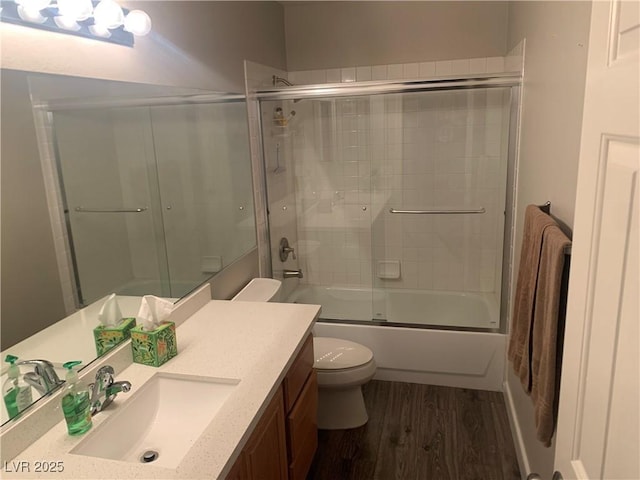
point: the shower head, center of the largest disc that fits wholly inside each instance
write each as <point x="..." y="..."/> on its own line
<point x="276" y="80"/>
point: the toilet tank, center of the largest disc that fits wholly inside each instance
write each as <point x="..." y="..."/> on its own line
<point x="260" y="290"/>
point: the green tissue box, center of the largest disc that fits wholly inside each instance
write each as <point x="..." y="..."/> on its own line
<point x="155" y="347"/>
<point x="108" y="337"/>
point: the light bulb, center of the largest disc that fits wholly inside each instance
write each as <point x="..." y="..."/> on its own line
<point x="137" y="22"/>
<point x="67" y="23"/>
<point x="29" y="15"/>
<point x="35" y="5"/>
<point x="76" y="9"/>
<point x="108" y="14"/>
<point x="99" y="31"/>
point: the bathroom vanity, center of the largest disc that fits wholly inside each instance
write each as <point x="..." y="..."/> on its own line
<point x="283" y="443"/>
<point x="263" y="353"/>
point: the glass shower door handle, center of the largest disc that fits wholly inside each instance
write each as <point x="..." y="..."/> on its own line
<point x="111" y="210"/>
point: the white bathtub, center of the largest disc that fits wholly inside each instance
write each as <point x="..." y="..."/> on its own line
<point x="432" y="308"/>
<point x="466" y="359"/>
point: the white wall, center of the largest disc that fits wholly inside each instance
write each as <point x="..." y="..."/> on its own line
<point x="28" y="257"/>
<point x="555" y="64"/>
<point x="339" y="34"/>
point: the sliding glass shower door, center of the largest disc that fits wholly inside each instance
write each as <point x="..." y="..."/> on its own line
<point x="109" y="184"/>
<point x="157" y="199"/>
<point x="441" y="166"/>
<point x="399" y="204"/>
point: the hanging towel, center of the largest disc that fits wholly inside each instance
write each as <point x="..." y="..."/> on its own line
<point x="535" y="222"/>
<point x="544" y="362"/>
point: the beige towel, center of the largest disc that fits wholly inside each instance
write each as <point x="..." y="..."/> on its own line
<point x="544" y="364"/>
<point x="535" y="222"/>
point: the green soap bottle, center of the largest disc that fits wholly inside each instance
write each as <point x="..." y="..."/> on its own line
<point x="76" y="402"/>
<point x="15" y="391"/>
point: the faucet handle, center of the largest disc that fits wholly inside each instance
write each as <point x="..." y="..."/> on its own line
<point x="104" y="376"/>
<point x="105" y="388"/>
<point x="44" y="377"/>
<point x="285" y="249"/>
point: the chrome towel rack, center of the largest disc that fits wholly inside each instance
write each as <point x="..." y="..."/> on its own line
<point x="438" y="212"/>
<point x="110" y="210"/>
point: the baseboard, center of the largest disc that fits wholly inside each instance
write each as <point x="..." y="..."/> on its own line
<point x="516" y="432"/>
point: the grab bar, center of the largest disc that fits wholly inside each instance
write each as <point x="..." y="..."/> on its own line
<point x="437" y="212"/>
<point x="107" y="210"/>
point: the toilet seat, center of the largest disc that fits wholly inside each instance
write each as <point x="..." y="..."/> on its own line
<point x="342" y="364"/>
<point x="339" y="354"/>
<point x="347" y="377"/>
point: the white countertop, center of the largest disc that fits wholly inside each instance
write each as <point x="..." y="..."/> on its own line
<point x="68" y="339"/>
<point x="250" y="341"/>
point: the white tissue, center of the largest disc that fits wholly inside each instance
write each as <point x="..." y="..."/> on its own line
<point x="110" y="314"/>
<point x="153" y="311"/>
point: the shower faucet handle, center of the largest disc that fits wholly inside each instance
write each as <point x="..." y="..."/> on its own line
<point x="285" y="250"/>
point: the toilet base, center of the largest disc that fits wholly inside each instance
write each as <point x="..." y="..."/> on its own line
<point x="339" y="409"/>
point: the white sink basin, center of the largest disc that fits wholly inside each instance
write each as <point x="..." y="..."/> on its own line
<point x="166" y="415"/>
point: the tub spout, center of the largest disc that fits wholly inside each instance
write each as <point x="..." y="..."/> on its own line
<point x="292" y="274"/>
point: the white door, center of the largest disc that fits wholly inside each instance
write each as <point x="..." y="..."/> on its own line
<point x="598" y="434"/>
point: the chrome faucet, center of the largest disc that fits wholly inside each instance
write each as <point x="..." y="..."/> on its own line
<point x="292" y="273"/>
<point x="43" y="378"/>
<point x="105" y="389"/>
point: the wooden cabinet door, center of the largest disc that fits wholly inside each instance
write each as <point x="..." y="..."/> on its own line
<point x="298" y="374"/>
<point x="302" y="429"/>
<point x="266" y="451"/>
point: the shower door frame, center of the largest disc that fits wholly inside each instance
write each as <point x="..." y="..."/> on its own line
<point x="352" y="89"/>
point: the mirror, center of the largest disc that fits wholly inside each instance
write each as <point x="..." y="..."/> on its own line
<point x="112" y="187"/>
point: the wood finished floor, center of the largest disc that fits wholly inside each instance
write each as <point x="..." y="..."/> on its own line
<point x="421" y="432"/>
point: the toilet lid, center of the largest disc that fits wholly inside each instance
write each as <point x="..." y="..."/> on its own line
<point x="336" y="353"/>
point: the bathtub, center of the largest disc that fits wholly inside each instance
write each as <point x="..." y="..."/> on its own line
<point x="410" y="307"/>
<point x="436" y="354"/>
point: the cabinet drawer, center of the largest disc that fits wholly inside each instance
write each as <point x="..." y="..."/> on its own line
<point x="298" y="373"/>
<point x="302" y="430"/>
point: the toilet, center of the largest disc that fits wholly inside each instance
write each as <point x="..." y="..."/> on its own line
<point x="342" y="367"/>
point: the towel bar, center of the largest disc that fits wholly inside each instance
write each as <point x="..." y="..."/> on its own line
<point x="437" y="212"/>
<point x="546" y="208"/>
<point x="107" y="210"/>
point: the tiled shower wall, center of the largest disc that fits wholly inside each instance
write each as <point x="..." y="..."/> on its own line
<point x="356" y="158"/>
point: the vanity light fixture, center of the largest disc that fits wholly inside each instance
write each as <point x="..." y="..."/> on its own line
<point x="103" y="20"/>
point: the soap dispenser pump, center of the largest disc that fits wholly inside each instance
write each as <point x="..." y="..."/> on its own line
<point x="15" y="391"/>
<point x="76" y="402"/>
